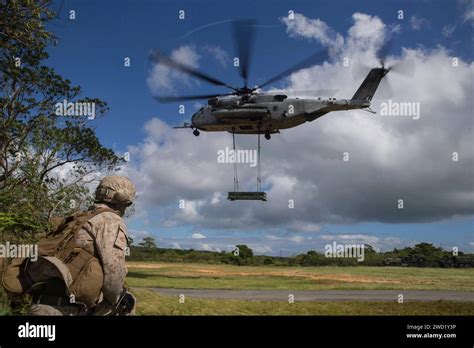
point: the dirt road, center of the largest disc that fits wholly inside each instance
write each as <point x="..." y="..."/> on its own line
<point x="317" y="295"/>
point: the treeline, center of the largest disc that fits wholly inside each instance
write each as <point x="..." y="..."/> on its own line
<point x="420" y="255"/>
<point x="38" y="145"/>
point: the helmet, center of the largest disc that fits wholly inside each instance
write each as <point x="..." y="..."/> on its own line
<point x="115" y="190"/>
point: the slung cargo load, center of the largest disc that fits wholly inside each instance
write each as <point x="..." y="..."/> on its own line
<point x="247" y="196"/>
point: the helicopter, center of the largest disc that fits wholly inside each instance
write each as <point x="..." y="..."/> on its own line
<point x="246" y="110"/>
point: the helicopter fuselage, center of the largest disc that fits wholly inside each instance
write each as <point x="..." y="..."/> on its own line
<point x="266" y="114"/>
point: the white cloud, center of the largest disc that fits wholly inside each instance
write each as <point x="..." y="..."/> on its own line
<point x="260" y="249"/>
<point x="216" y="198"/>
<point x="298" y="226"/>
<point x="206" y="247"/>
<point x="198" y="236"/>
<point x="291" y="238"/>
<point x="190" y="212"/>
<point x="391" y="242"/>
<point x="219" y="54"/>
<point x="209" y="247"/>
<point x="296" y="239"/>
<point x="312" y="29"/>
<point x="175" y="245"/>
<point x="164" y="79"/>
<point x="367" y="32"/>
<point x="272" y="237"/>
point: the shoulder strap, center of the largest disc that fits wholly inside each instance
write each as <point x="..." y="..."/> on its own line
<point x="81" y="219"/>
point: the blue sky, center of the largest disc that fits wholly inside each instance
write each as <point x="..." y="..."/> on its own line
<point x="91" y="53"/>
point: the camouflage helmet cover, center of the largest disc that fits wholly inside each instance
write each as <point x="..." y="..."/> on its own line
<point x="115" y="190"/>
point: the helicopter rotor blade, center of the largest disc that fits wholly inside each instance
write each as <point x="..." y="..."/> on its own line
<point x="315" y="59"/>
<point x="386" y="90"/>
<point x="308" y="92"/>
<point x="160" y="58"/>
<point x="244" y="36"/>
<point x="405" y="68"/>
<point x="170" y="99"/>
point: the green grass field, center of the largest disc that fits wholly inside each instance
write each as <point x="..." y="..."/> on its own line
<point x="151" y="303"/>
<point x="202" y="276"/>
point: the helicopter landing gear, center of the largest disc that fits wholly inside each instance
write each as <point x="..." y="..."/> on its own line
<point x="196" y="132"/>
<point x="267" y="135"/>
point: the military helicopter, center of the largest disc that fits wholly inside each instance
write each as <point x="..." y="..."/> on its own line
<point x="248" y="111"/>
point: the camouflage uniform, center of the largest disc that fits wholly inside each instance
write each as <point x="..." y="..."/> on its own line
<point x="104" y="235"/>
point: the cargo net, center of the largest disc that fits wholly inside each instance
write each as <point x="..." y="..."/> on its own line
<point x="257" y="195"/>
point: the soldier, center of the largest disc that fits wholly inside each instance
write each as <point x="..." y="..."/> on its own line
<point x="85" y="274"/>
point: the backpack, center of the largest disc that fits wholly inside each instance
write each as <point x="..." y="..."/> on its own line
<point x="80" y="271"/>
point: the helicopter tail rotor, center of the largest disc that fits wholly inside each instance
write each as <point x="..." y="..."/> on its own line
<point x="405" y="68"/>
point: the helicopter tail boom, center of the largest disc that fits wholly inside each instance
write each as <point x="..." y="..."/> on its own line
<point x="367" y="89"/>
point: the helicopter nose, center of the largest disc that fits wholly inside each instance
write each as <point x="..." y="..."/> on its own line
<point x="194" y="120"/>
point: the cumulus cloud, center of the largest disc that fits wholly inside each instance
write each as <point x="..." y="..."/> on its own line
<point x="390" y="158"/>
<point x="198" y="236"/>
<point x="261" y="249"/>
<point x="366" y="34"/>
<point x="163" y="79"/>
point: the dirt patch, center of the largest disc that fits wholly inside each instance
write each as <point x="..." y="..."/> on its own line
<point x="348" y="278"/>
<point x="219" y="271"/>
<point x="147" y="265"/>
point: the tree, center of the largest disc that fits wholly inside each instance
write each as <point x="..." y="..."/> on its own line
<point x="426" y="253"/>
<point x="36" y="141"/>
<point x="369" y="249"/>
<point x="148" y="243"/>
<point x="244" y="251"/>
